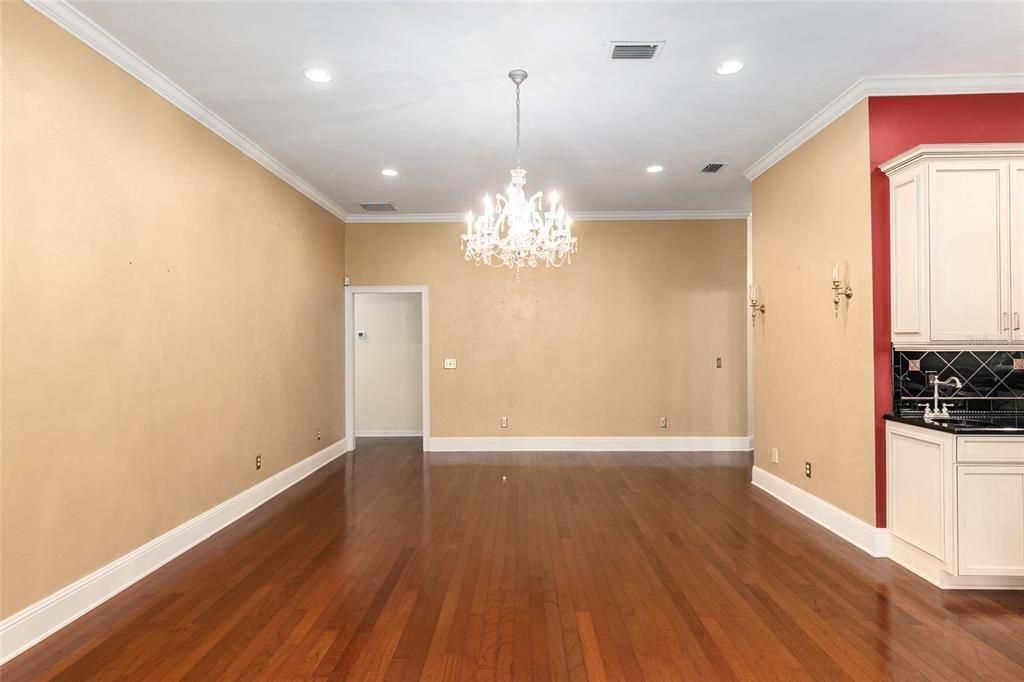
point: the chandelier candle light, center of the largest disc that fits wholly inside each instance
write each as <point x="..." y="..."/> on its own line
<point x="514" y="231"/>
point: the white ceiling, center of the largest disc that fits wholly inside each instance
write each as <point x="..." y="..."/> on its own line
<point x="422" y="87"/>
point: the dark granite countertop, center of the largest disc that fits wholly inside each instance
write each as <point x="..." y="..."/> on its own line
<point x="1010" y="424"/>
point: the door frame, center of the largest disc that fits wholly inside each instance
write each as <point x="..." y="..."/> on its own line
<point x="350" y="357"/>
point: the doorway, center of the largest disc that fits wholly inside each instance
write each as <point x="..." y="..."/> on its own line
<point x="387" y="386"/>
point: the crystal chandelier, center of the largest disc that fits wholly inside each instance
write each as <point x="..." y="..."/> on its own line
<point x="514" y="231"/>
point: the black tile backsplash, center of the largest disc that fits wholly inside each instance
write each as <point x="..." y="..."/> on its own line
<point x="991" y="384"/>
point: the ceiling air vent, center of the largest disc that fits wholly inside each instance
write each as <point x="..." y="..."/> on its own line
<point x="712" y="168"/>
<point x="635" y="51"/>
<point x="378" y="208"/>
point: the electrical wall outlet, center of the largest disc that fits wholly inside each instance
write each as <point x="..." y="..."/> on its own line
<point x="259" y="462"/>
<point x="807" y="469"/>
<point x="504" y="422"/>
<point x="718" y="363"/>
<point x="663" y="422"/>
<point x="775" y="455"/>
<point x="318" y="434"/>
<point x="450" y="363"/>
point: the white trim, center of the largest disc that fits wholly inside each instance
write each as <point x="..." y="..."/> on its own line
<point x="750" y="327"/>
<point x="661" y="215"/>
<point x="589" y="444"/>
<point x="350" y="361"/>
<point x="393" y="433"/>
<point x="40" y="620"/>
<point x="874" y="541"/>
<point x="83" y="28"/>
<point x="593" y="216"/>
<point x="946" y="151"/>
<point x="884" y="86"/>
<point x="77" y="24"/>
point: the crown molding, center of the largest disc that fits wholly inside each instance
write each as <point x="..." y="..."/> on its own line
<point x="86" y="30"/>
<point x="885" y="86"/>
<point x="661" y="215"/>
<point x="602" y="216"/>
<point x="952" y="151"/>
<point x="83" y="28"/>
<point x="389" y="218"/>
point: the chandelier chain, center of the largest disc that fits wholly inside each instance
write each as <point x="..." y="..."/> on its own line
<point x="519" y="162"/>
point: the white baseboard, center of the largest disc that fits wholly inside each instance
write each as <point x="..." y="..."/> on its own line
<point x="874" y="541"/>
<point x="31" y="625"/>
<point x="393" y="433"/>
<point x="590" y="444"/>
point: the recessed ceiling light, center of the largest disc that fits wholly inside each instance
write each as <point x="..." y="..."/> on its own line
<point x="655" y="169"/>
<point x="390" y="172"/>
<point x="729" y="68"/>
<point x="317" y="75"/>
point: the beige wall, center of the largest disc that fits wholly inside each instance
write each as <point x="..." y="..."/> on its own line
<point x="627" y="333"/>
<point x="170" y="309"/>
<point x="388" y="363"/>
<point x="813" y="373"/>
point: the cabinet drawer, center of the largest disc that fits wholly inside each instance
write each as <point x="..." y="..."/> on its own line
<point x="990" y="449"/>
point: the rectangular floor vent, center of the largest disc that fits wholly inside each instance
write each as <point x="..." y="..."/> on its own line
<point x="378" y="208"/>
<point x="712" y="168"/>
<point x="635" y="51"/>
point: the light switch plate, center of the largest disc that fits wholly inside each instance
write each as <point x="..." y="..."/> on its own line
<point x="450" y="363"/>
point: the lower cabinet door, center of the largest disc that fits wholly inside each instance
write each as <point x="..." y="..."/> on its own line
<point x="990" y="520"/>
<point x="920" y="490"/>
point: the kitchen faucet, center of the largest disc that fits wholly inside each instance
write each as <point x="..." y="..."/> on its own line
<point x="933" y="413"/>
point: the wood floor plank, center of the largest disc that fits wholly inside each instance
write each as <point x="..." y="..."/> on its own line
<point x="394" y="564"/>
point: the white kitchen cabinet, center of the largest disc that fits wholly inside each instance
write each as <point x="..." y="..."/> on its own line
<point x="990" y="519"/>
<point x="957" y="244"/>
<point x="954" y="518"/>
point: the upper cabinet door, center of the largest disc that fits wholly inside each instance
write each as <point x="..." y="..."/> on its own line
<point x="969" y="250"/>
<point x="1017" y="249"/>
<point x="908" y="211"/>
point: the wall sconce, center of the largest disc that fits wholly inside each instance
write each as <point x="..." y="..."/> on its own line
<point x="755" y="303"/>
<point x="840" y="287"/>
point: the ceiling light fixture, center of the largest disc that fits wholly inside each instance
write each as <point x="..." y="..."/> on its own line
<point x="514" y="231"/>
<point x="389" y="172"/>
<point x="317" y="75"/>
<point x="655" y="169"/>
<point x="729" y="67"/>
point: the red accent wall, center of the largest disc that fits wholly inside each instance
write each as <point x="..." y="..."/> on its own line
<point x="895" y="124"/>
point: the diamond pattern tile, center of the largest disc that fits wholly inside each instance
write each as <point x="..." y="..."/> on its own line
<point x="989" y="378"/>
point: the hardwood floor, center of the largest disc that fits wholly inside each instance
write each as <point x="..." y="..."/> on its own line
<point x="388" y="564"/>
